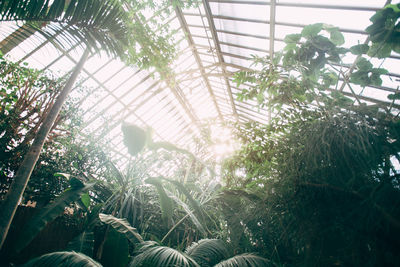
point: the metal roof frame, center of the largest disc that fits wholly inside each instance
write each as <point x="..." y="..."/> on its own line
<point x="211" y="54"/>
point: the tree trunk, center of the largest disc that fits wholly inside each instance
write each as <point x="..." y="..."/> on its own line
<point x="21" y="178"/>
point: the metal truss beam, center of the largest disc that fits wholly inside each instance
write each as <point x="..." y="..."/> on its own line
<point x="218" y="51"/>
<point x="185" y="28"/>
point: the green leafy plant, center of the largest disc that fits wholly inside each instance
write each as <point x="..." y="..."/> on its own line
<point x="135" y="138"/>
<point x="150" y="254"/>
<point x="319" y="182"/>
<point x="366" y="74"/>
<point x="122" y="226"/>
<point x="116" y="240"/>
<point x="50" y="212"/>
<point x="384" y="31"/>
<point x="100" y="25"/>
<point x="247" y="259"/>
<point x="63" y="258"/>
<point x="26" y="96"/>
<point x="307" y="70"/>
<point x="166" y="202"/>
<point x="83" y="243"/>
<point x="206" y="252"/>
<point x="119" y="26"/>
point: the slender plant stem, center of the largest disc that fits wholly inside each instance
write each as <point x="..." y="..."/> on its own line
<point x="174" y="227"/>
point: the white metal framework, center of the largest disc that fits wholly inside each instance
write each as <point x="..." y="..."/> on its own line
<point x="215" y="40"/>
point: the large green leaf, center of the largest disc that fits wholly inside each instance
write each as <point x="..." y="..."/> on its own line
<point x="122" y="226"/>
<point x="359" y="49"/>
<point x="115" y="250"/>
<point x="292" y="38"/>
<point x="166" y="203"/>
<point x="208" y="252"/>
<point x="81" y="23"/>
<point x="63" y="258"/>
<point x="364" y="64"/>
<point x="83" y="243"/>
<point x="153" y="255"/>
<point x="311" y="30"/>
<point x="134" y="138"/>
<point x="384" y="31"/>
<point x="336" y="36"/>
<point x="46" y="215"/>
<point x="85" y="198"/>
<point x="245" y="260"/>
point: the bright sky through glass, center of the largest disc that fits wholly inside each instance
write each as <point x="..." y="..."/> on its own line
<point x="204" y="91"/>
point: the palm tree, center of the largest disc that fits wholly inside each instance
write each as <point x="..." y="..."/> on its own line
<point x="206" y="252"/>
<point x="99" y="25"/>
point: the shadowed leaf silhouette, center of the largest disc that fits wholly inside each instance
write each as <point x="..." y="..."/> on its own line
<point x="63" y="258"/>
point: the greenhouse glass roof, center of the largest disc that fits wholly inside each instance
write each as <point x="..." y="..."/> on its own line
<point x="215" y="40"/>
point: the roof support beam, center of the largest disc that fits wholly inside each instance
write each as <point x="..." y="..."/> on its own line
<point x="305" y="5"/>
<point x="271" y="42"/>
<point x="185" y="28"/>
<point x="280" y="23"/>
<point x="168" y="77"/>
<point x="191" y="71"/>
<point x="219" y="54"/>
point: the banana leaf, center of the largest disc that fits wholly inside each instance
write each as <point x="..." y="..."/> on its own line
<point x="166" y="203"/>
<point x="116" y="250"/>
<point x="122" y="226"/>
<point x="46" y="215"/>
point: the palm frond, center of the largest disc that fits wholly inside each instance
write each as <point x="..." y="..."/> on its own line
<point x="208" y="252"/>
<point x="62" y="258"/>
<point x="159" y="256"/>
<point x="188" y="211"/>
<point x="97" y="24"/>
<point x="183" y="189"/>
<point x="122" y="226"/>
<point x="245" y="260"/>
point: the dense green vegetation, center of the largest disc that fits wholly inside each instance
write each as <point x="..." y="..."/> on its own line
<point x="318" y="186"/>
<point x="321" y="181"/>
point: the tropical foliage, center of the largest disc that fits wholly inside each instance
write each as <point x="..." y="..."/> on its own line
<point x="319" y="183"/>
<point x="28" y="96"/>
<point x="206" y="252"/>
<point x="96" y="24"/>
<point x="63" y="259"/>
<point x="318" y="186"/>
